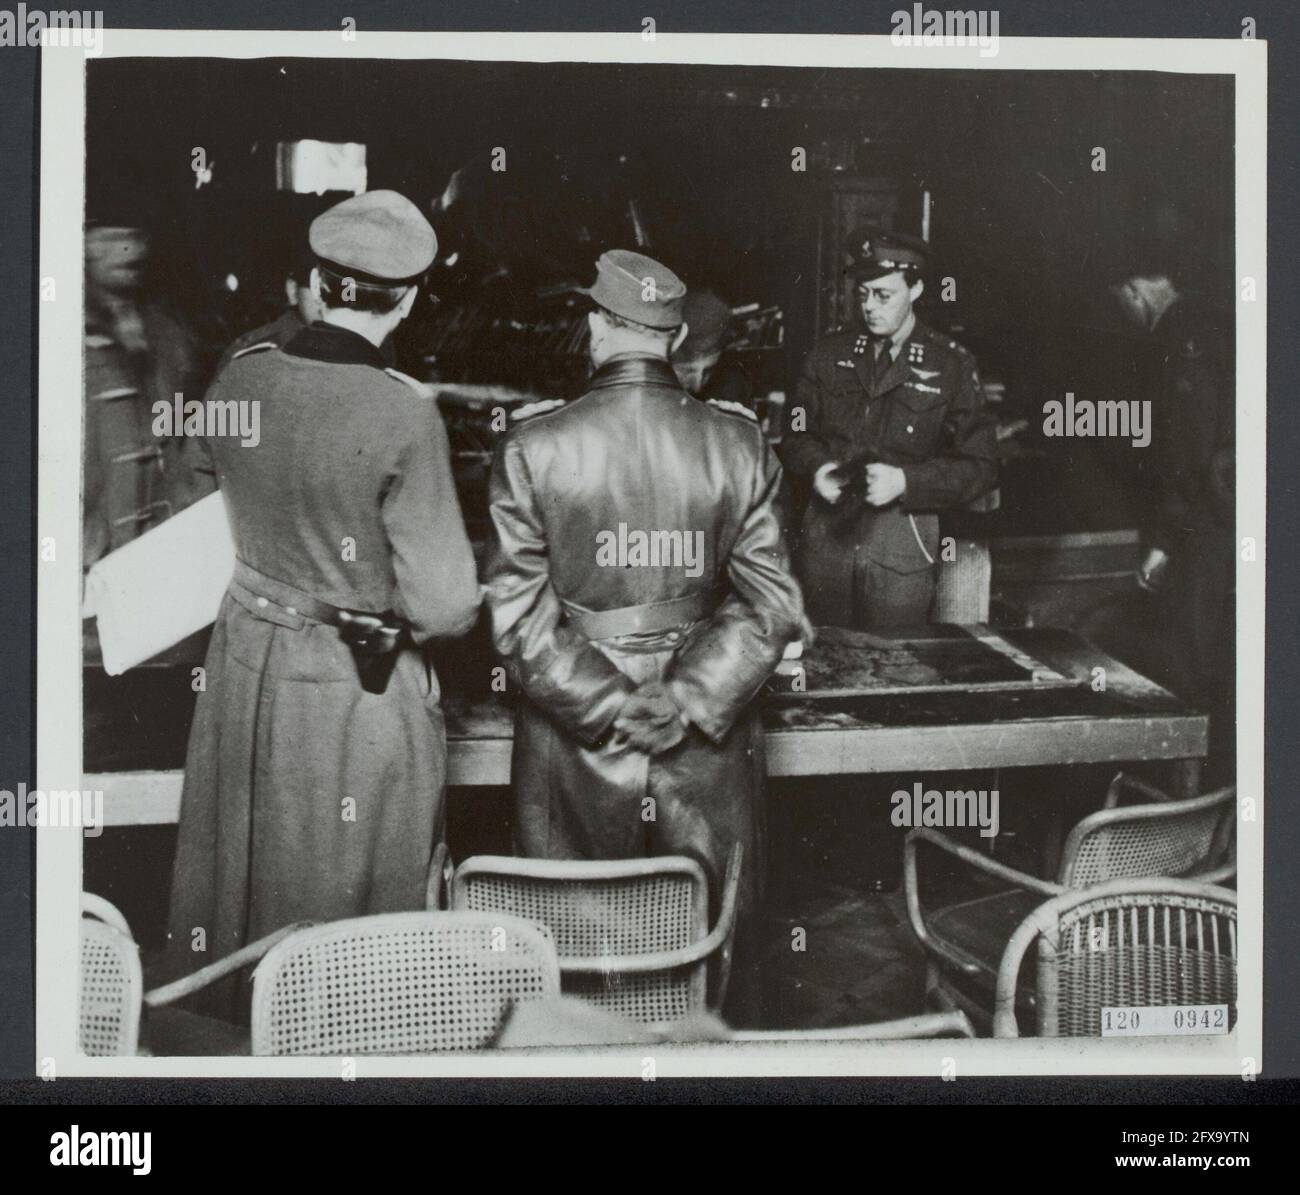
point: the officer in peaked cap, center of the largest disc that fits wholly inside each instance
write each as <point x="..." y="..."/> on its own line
<point x="887" y="429"/>
<point x="637" y="670"/>
<point x="315" y="774"/>
<point x="380" y="239"/>
<point x="873" y="254"/>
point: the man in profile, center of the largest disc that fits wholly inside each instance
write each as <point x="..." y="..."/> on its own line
<point x="640" y="592"/>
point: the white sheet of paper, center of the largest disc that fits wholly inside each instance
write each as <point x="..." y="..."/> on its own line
<point x="158" y="589"/>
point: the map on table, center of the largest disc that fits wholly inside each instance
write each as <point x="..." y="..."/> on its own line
<point x="846" y="663"/>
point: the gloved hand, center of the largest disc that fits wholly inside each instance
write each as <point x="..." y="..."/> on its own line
<point x="649" y="720"/>
<point x="828" y="485"/>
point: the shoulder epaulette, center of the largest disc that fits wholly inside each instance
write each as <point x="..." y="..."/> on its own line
<point x="260" y="346"/>
<point x="420" y="388"/>
<point x="532" y="409"/>
<point x="732" y="408"/>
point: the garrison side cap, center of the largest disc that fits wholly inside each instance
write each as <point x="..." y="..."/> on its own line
<point x="638" y="288"/>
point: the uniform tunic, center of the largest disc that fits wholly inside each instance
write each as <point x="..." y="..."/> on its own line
<point x="306" y="797"/>
<point x="638" y="451"/>
<point x="278" y="332"/>
<point x="872" y="567"/>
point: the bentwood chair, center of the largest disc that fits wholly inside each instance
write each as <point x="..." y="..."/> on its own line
<point x="398" y="983"/>
<point x="390" y="983"/>
<point x="1162" y="837"/>
<point x="111" y="992"/>
<point x="1122" y="945"/>
<point x="632" y="935"/>
<point x="112" y="984"/>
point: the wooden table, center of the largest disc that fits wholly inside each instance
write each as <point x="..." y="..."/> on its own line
<point x="136" y="727"/>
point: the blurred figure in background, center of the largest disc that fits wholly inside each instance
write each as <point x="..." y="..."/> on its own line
<point x="137" y="353"/>
<point x="1190" y="557"/>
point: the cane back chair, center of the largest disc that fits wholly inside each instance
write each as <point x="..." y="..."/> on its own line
<point x="632" y="935"/>
<point x="111" y="995"/>
<point x="1124" y="944"/>
<point x="964" y="942"/>
<point x="398" y="983"/>
<point x="112" y="983"/>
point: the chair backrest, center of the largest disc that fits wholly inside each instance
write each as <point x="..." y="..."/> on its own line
<point x="111" y="982"/>
<point x="1125" y="944"/>
<point x="1171" y="838"/>
<point x="603" y="909"/>
<point x="398" y="983"/>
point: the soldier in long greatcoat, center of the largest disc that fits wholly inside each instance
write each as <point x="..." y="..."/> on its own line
<point x="307" y="795"/>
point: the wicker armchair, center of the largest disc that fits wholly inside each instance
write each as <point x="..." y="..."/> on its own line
<point x="1124" y="944"/>
<point x="632" y="935"/>
<point x="964" y="941"/>
<point x="398" y="983"/>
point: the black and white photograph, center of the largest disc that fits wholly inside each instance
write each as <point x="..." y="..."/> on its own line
<point x="578" y="554"/>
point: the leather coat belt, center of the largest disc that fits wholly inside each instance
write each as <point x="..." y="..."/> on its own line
<point x="289" y="598"/>
<point x="634" y="620"/>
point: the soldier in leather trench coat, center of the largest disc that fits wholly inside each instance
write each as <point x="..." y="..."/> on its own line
<point x="903" y="403"/>
<point x="585" y="620"/>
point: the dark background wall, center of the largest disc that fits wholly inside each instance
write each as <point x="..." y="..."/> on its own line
<point x="1028" y="230"/>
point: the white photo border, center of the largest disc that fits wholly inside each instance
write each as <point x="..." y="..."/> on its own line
<point x="59" y="697"/>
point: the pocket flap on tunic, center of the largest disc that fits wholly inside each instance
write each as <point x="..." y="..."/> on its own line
<point x="916" y="399"/>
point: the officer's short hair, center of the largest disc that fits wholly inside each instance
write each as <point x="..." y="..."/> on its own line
<point x="614" y="320"/>
<point x="343" y="292"/>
